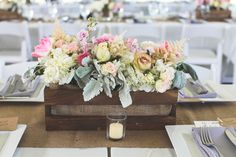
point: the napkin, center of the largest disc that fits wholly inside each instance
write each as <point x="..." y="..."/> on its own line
<point x="15" y="87"/>
<point x="226" y="148"/>
<point x="195" y="89"/>
<point x="3" y="139"/>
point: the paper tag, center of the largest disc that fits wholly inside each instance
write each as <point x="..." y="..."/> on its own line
<point x="8" y="124"/>
<point x="206" y="124"/>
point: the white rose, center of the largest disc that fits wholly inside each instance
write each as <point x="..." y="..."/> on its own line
<point x="162" y="86"/>
<point x="169" y="74"/>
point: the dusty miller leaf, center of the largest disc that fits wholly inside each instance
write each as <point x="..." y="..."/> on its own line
<point x="179" y="80"/>
<point x="92" y="89"/>
<point x="125" y="97"/>
<point x="83" y="71"/>
<point x="106" y="86"/>
<point x="124" y="93"/>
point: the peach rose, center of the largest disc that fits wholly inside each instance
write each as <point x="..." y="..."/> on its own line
<point x="142" y="61"/>
<point x="109" y="68"/>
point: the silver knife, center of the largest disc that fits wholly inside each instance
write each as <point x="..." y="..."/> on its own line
<point x="230" y="136"/>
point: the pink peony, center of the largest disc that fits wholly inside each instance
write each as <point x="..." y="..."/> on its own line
<point x="103" y="38"/>
<point x="81" y="56"/>
<point x="43" y="48"/>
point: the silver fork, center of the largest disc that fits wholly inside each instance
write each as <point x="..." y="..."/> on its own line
<point x="207" y="140"/>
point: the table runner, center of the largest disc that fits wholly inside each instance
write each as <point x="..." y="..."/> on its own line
<point x="32" y="114"/>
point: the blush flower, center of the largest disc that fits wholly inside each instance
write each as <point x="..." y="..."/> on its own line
<point x="43" y="48"/>
<point x="109" y="68"/>
<point x="72" y="47"/>
<point x="132" y="44"/>
<point x="102" y="39"/>
<point x="83" y="35"/>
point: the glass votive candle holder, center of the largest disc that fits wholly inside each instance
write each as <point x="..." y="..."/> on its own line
<point x="116" y="126"/>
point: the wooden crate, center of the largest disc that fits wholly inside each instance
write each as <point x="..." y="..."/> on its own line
<point x="65" y="109"/>
<point x="213" y="15"/>
<point x="8" y="15"/>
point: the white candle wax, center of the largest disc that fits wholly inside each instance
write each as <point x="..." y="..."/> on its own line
<point x="116" y="130"/>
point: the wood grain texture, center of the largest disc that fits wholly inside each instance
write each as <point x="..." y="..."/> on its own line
<point x="64" y="96"/>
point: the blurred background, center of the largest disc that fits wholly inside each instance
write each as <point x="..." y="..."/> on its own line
<point x="208" y="25"/>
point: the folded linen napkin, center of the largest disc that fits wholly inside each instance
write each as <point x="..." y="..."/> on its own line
<point x="15" y="87"/>
<point x="227" y="149"/>
<point x="3" y="139"/>
<point x="195" y="89"/>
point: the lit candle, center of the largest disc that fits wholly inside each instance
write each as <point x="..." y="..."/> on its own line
<point x="116" y="130"/>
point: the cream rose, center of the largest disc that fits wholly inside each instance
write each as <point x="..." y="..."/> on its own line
<point x="109" y="68"/>
<point x="163" y="85"/>
<point x="102" y="52"/>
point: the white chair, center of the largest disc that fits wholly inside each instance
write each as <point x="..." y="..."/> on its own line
<point x="204" y="74"/>
<point x="16" y="30"/>
<point x="232" y="50"/>
<point x="143" y="32"/>
<point x="46" y="29"/>
<point x="207" y="48"/>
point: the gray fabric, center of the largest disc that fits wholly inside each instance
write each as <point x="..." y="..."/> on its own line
<point x="15" y="87"/>
<point x="197" y="90"/>
<point x="227" y="149"/>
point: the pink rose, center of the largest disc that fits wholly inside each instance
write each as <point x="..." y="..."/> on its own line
<point x="103" y="38"/>
<point x="81" y="56"/>
<point x="43" y="48"/>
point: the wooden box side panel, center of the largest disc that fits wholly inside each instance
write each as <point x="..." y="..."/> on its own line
<point x="65" y="96"/>
<point x="99" y="123"/>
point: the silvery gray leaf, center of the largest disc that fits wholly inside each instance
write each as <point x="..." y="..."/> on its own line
<point x="92" y="89"/>
<point x="179" y="80"/>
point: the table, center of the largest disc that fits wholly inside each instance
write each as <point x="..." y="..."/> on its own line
<point x="32" y="114"/>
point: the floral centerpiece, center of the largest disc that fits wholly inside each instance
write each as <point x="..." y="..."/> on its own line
<point x="110" y="63"/>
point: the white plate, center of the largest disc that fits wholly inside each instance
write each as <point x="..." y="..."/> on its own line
<point x="142" y="152"/>
<point x="12" y="141"/>
<point x="182" y="140"/>
<point x="38" y="96"/>
<point x="61" y="152"/>
<point x="225" y="93"/>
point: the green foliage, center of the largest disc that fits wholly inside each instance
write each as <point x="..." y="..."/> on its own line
<point x="92" y="89"/>
<point x="186" y="68"/>
<point x="82" y="75"/>
<point x="179" y="80"/>
<point x="124" y="93"/>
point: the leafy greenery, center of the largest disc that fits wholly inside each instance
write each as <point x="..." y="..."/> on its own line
<point x="92" y="89"/>
<point x="186" y="68"/>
